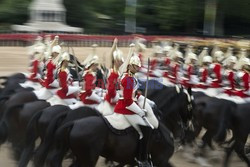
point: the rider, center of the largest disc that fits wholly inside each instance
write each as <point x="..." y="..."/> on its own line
<point x="216" y="69"/>
<point x="89" y="95"/>
<point x="37" y="65"/>
<point x="203" y="73"/>
<point x="51" y="68"/>
<point x="155" y="61"/>
<point x="229" y="75"/>
<point x="190" y="70"/>
<point x="242" y="79"/>
<point x="67" y="90"/>
<point x="117" y="59"/>
<point x="130" y="109"/>
<point x="175" y="66"/>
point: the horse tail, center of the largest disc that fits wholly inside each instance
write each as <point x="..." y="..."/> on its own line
<point x="224" y="123"/>
<point x="30" y="139"/>
<point x="55" y="158"/>
<point x="4" y="124"/>
<point x="46" y="144"/>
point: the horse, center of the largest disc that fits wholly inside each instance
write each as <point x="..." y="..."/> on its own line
<point x="77" y="114"/>
<point x="13" y="124"/>
<point x="183" y="97"/>
<point x="238" y="122"/>
<point x="98" y="139"/>
<point x="209" y="114"/>
<point x="37" y="127"/>
<point x="42" y="125"/>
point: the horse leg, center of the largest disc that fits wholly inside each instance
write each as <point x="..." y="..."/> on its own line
<point x="240" y="146"/>
<point x="88" y="160"/>
<point x="207" y="139"/>
<point x="228" y="154"/>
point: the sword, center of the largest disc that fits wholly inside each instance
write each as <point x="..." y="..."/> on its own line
<point x="146" y="87"/>
<point x="145" y="98"/>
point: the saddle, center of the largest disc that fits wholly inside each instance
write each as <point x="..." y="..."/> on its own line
<point x="115" y="124"/>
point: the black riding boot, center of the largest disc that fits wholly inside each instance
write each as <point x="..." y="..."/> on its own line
<point x="143" y="160"/>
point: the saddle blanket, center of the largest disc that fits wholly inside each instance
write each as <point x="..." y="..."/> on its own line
<point x="118" y="121"/>
<point x="30" y="84"/>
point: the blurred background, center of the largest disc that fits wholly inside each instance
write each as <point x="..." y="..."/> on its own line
<point x="151" y="17"/>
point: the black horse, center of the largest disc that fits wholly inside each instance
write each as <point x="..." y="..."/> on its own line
<point x="238" y="122"/>
<point x="98" y="139"/>
<point x="80" y="113"/>
<point x="43" y="125"/>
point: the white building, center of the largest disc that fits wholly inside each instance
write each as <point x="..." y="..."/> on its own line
<point x="47" y="15"/>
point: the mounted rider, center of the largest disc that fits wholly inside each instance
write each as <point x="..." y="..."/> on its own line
<point x="51" y="65"/>
<point x="203" y="73"/>
<point x="242" y="79"/>
<point x="190" y="70"/>
<point x="228" y="81"/>
<point x="68" y="89"/>
<point x="89" y="95"/>
<point x="156" y="62"/>
<point x="167" y="48"/>
<point x="128" y="105"/>
<point x="216" y="68"/>
<point x="175" y="66"/>
<point x="37" y="65"/>
<point x="117" y="59"/>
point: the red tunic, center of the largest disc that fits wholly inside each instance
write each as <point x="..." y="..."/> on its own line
<point x="64" y="81"/>
<point x="229" y="82"/>
<point x="89" y="85"/>
<point x="167" y="62"/>
<point x="153" y="65"/>
<point x="175" y="69"/>
<point x="243" y="78"/>
<point x="216" y="75"/>
<point x="51" y="67"/>
<point x="128" y="84"/>
<point x="189" y="70"/>
<point x="34" y="71"/>
<point x="203" y="75"/>
<point x="112" y="84"/>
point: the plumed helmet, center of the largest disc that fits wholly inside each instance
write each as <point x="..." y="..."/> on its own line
<point x="244" y="61"/>
<point x="207" y="59"/>
<point x="158" y="49"/>
<point x="140" y="47"/>
<point x="135" y="60"/>
<point x="64" y="57"/>
<point x="118" y="55"/>
<point x="167" y="48"/>
<point x="56" y="49"/>
<point x="191" y="56"/>
<point x="93" y="60"/>
<point x="178" y="54"/>
<point x="232" y="59"/>
<point x="218" y="55"/>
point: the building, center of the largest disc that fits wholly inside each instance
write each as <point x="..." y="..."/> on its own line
<point x="47" y="16"/>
